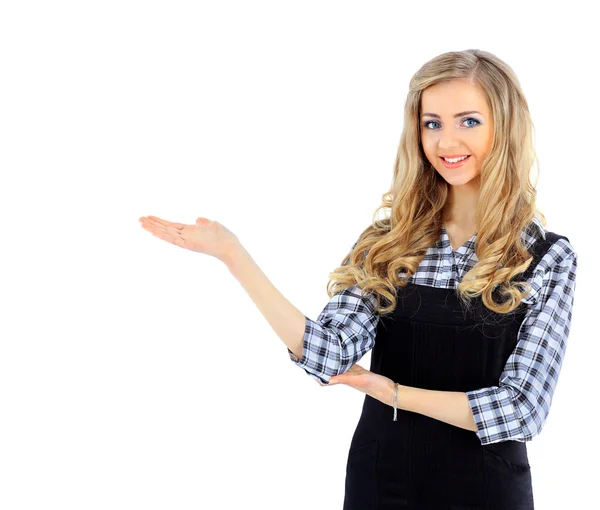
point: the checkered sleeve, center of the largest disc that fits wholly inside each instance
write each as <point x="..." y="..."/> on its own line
<point x="342" y="334"/>
<point x="517" y="409"/>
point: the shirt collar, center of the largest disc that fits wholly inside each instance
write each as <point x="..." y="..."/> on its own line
<point x="530" y="234"/>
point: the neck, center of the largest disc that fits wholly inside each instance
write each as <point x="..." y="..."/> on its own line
<point x="461" y="205"/>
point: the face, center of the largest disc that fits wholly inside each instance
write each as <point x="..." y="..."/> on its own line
<point x="445" y="133"/>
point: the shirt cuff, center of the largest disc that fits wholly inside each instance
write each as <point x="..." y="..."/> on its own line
<point x="303" y="363"/>
<point x="293" y="357"/>
<point x="496" y="417"/>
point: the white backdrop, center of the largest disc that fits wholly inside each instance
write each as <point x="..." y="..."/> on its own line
<point x="136" y="374"/>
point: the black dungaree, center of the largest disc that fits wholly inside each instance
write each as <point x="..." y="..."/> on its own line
<point x="431" y="341"/>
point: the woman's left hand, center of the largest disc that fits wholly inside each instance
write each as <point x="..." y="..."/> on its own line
<point x="374" y="385"/>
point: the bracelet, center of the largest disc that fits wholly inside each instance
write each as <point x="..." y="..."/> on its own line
<point x="395" y="400"/>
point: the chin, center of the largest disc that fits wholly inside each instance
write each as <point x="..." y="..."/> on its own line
<point x="459" y="180"/>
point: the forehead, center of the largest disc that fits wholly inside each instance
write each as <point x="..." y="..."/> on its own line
<point x="453" y="96"/>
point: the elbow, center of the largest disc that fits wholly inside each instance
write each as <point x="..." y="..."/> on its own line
<point x="336" y="353"/>
<point x="532" y="425"/>
<point x="533" y="416"/>
<point x="336" y="358"/>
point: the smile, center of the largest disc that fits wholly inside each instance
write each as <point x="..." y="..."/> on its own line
<point x="456" y="164"/>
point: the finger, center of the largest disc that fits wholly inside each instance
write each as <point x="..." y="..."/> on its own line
<point x="154" y="228"/>
<point x="155" y="220"/>
<point x="160" y="233"/>
<point x="166" y="236"/>
<point x="163" y="228"/>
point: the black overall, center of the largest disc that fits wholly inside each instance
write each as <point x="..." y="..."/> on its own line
<point x="433" y="341"/>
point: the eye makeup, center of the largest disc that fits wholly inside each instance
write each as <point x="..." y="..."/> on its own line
<point x="427" y="122"/>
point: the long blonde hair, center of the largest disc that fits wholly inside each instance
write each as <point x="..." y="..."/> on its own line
<point x="506" y="205"/>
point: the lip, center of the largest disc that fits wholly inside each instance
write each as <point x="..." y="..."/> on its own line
<point x="455" y="165"/>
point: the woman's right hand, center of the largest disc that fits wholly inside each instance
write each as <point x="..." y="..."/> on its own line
<point x="206" y="236"/>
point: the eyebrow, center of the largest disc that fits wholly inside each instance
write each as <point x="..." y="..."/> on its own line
<point x="460" y="114"/>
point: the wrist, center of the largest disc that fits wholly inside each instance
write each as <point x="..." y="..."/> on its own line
<point x="235" y="256"/>
<point x="388" y="392"/>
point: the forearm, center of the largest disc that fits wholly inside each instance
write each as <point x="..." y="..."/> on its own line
<point x="448" y="406"/>
<point x="286" y="320"/>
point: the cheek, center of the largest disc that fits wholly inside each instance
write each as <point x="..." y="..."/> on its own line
<point x="486" y="144"/>
<point x="429" y="150"/>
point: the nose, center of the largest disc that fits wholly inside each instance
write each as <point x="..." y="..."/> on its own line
<point x="449" y="139"/>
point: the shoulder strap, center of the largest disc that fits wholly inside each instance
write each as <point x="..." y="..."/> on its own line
<point x="538" y="250"/>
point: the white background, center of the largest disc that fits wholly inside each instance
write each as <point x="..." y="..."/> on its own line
<point x="138" y="375"/>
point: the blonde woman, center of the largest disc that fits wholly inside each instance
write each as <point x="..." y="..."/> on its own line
<point x="461" y="293"/>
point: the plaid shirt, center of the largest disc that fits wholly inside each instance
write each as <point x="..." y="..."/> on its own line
<point x="516" y="409"/>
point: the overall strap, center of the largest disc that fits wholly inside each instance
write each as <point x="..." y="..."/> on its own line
<point x="538" y="250"/>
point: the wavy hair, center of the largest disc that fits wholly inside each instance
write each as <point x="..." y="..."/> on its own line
<point x="418" y="194"/>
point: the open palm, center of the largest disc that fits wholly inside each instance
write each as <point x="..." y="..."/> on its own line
<point x="360" y="378"/>
<point x="206" y="236"/>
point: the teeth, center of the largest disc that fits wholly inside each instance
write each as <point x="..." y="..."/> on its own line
<point x="455" y="160"/>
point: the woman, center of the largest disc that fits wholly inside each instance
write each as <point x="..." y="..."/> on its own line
<point x="463" y="295"/>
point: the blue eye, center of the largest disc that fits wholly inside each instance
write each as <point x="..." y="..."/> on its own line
<point x="427" y="122"/>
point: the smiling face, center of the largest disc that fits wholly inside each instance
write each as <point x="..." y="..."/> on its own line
<point x="456" y="120"/>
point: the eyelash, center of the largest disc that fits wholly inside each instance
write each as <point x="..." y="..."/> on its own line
<point x="464" y="120"/>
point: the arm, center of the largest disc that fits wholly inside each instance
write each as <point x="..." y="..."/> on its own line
<point x="516" y="409"/>
<point x="334" y="348"/>
<point x="448" y="406"/>
<point x="285" y="319"/>
<point x="343" y="333"/>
